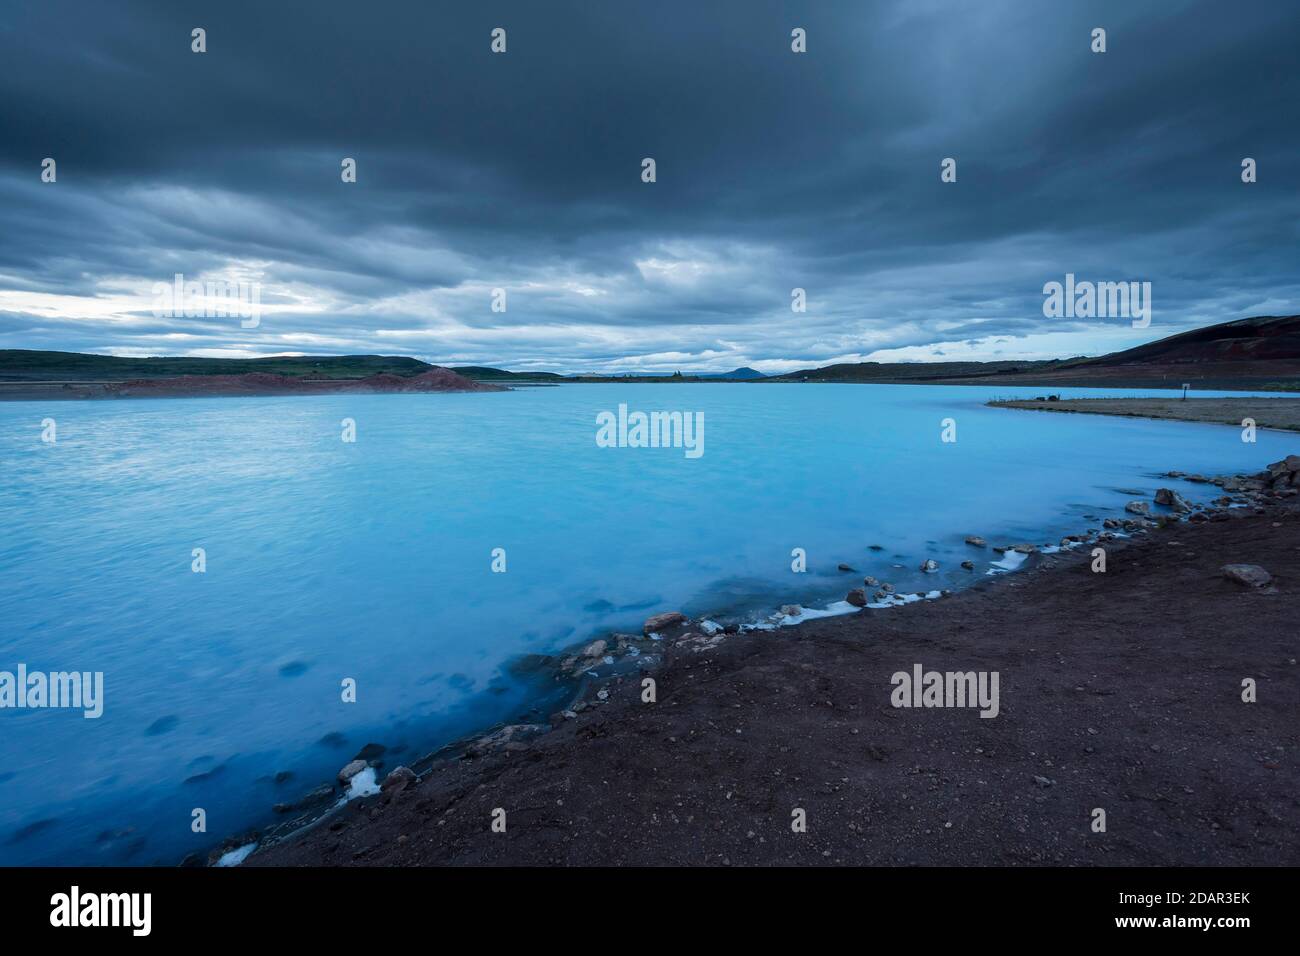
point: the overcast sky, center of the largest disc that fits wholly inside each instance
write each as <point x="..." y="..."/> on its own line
<point x="522" y="171"/>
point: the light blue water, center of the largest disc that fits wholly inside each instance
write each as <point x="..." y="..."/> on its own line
<point x="372" y="560"/>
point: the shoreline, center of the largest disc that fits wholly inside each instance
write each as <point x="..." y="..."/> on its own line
<point x="266" y="385"/>
<point x="469" y="764"/>
<point x="1281" y="414"/>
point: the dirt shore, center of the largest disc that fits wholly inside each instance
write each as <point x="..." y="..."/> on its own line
<point x="1119" y="690"/>
<point x="1266" y="412"/>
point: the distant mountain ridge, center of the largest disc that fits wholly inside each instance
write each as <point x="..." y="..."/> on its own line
<point x="1261" y="353"/>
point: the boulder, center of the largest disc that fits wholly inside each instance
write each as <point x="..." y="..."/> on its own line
<point x="857" y="597"/>
<point x="870" y="582"/>
<point x="975" y="541"/>
<point x="791" y="610"/>
<point x="929" y="565"/>
<point x="1172" y="499"/>
<point x="595" y="649"/>
<point x="1247" y="575"/>
<point x="1288" y="464"/>
<point x="1138" y="508"/>
<point x="350" y="771"/>
<point x="398" y="780"/>
<point x="659" y="622"/>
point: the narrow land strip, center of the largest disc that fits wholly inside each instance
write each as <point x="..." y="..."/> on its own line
<point x="1281" y="413"/>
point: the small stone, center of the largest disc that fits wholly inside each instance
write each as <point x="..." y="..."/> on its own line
<point x="1247" y="575"/>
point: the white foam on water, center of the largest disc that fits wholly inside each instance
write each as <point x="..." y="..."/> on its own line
<point x="237" y="856"/>
<point x="811" y="614"/>
<point x="1010" y="561"/>
<point x="364" y="784"/>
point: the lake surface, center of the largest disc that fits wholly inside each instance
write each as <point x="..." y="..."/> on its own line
<point x="372" y="560"/>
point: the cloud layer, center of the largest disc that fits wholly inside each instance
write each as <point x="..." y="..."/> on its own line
<point x="522" y="171"/>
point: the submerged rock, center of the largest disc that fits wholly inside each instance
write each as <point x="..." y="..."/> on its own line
<point x="1247" y="575"/>
<point x="370" y="752"/>
<point x="968" y="565"/>
<point x="975" y="541"/>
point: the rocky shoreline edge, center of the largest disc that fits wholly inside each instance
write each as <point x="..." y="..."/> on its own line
<point x="592" y="669"/>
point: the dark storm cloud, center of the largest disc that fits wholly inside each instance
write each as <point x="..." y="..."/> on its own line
<point x="521" y="171"/>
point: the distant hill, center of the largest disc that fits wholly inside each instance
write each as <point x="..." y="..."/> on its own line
<point x="21" y="365"/>
<point x="911" y="372"/>
<point x="483" y="373"/>
<point x="737" y="373"/>
<point x="1267" y="338"/>
<point x="1261" y="353"/>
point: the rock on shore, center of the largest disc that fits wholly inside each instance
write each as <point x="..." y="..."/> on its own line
<point x="661" y="622"/>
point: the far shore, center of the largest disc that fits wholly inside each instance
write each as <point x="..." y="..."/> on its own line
<point x="1281" y="413"/>
<point x="247" y="385"/>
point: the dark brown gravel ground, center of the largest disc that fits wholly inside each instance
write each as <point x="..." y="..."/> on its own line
<point x="1122" y="689"/>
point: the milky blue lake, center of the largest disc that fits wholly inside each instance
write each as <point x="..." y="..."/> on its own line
<point x="372" y="560"/>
